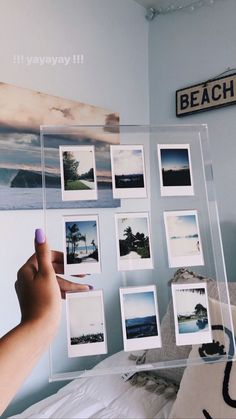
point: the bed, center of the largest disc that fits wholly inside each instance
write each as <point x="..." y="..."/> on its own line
<point x="207" y="390"/>
<point x="102" y="397"/>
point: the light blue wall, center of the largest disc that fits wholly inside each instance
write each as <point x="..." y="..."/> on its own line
<point x="113" y="37"/>
<point x="186" y="48"/>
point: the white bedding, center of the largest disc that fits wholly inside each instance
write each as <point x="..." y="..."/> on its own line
<point x="102" y="397"/>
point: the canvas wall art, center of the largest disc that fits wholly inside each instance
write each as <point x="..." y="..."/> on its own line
<point x="23" y="111"/>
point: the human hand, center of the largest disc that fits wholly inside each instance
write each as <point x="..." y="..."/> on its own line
<point x="65" y="285"/>
<point x="37" y="287"/>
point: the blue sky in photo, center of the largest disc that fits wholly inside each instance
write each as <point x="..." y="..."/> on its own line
<point x="141" y="304"/>
<point x="128" y="162"/>
<point x="187" y="300"/>
<point x="85" y="159"/>
<point x="175" y="159"/>
<point x="88" y="228"/>
<point x="137" y="225"/>
<point x="182" y="225"/>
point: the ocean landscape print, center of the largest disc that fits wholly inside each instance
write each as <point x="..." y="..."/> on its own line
<point x="191" y="313"/>
<point x="140" y="317"/>
<point x="81" y="244"/>
<point x="133" y="241"/>
<point x="128" y="172"/>
<point x="20" y="148"/>
<point x="86" y="326"/>
<point x="175" y="169"/>
<point x="183" y="238"/>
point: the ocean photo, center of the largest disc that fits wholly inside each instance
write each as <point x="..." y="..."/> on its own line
<point x="192" y="313"/>
<point x="86" y="320"/>
<point x="175" y="167"/>
<point x="128" y="168"/>
<point x="183" y="235"/>
<point x="81" y="242"/>
<point x="140" y="315"/>
<point x="32" y="198"/>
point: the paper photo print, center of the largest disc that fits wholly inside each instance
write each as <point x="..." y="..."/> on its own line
<point x="128" y="171"/>
<point x="191" y="314"/>
<point x="86" y="332"/>
<point x="78" y="173"/>
<point x="175" y="169"/>
<point x="81" y="244"/>
<point x="183" y="238"/>
<point x="133" y="243"/>
<point x="140" y="319"/>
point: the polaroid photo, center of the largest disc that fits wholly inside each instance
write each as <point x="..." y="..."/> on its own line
<point x="140" y="318"/>
<point x="86" y="331"/>
<point x="81" y="244"/>
<point x="175" y="168"/>
<point x="133" y="241"/>
<point x="78" y="173"/>
<point x="183" y="238"/>
<point x="191" y="314"/>
<point x="128" y="171"/>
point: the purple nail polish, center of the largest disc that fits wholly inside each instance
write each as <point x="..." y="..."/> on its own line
<point x="39" y="236"/>
<point x="90" y="287"/>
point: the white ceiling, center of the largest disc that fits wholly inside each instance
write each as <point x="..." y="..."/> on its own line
<point x="164" y="3"/>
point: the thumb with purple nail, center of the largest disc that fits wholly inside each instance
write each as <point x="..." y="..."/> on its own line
<point x="39" y="290"/>
<point x="38" y="287"/>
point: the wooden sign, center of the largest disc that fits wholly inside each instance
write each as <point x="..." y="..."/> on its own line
<point x="205" y="96"/>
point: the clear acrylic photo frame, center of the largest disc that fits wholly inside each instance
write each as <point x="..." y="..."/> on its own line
<point x="111" y="279"/>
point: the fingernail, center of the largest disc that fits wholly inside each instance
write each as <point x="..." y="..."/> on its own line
<point x="90" y="287"/>
<point x="39" y="236"/>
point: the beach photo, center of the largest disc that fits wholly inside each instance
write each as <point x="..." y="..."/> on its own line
<point x="128" y="171"/>
<point x="86" y="333"/>
<point x="183" y="238"/>
<point x="191" y="313"/>
<point x="20" y="147"/>
<point x="78" y="173"/>
<point x="175" y="169"/>
<point x="81" y="244"/>
<point x="140" y="319"/>
<point x="133" y="241"/>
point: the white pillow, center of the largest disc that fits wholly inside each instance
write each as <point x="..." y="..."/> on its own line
<point x="209" y="390"/>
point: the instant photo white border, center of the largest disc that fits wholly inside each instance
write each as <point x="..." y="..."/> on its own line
<point x="191" y="338"/>
<point x="85" y="349"/>
<point x="86" y="267"/>
<point x="185" y="260"/>
<point x="77" y="195"/>
<point x="128" y="192"/>
<point x="136" y="263"/>
<point x="148" y="342"/>
<point x="175" y="190"/>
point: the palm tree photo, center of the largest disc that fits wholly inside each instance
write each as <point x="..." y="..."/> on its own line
<point x="133" y="238"/>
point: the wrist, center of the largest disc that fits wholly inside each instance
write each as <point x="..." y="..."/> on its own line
<point x="43" y="328"/>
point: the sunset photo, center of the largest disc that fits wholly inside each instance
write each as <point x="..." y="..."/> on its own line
<point x="128" y="171"/>
<point x="175" y="169"/>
